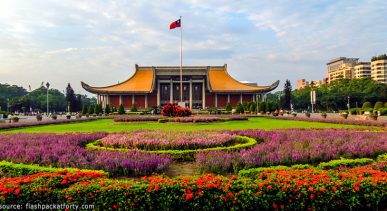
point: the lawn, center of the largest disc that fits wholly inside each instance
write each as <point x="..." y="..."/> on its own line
<point x="109" y="125"/>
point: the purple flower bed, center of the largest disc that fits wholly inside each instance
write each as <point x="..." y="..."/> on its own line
<point x="68" y="150"/>
<point x="38" y="123"/>
<point x="194" y="119"/>
<point x="295" y="146"/>
<point x="168" y="140"/>
<point x="336" y="121"/>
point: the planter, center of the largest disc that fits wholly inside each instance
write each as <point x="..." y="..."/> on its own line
<point x="345" y="115"/>
<point x="68" y="117"/>
<point x="54" y="117"/>
<point x="294" y="114"/>
<point x="374" y="117"/>
<point x="39" y="117"/>
<point x="324" y="115"/>
<point x="15" y="119"/>
<point x="307" y="114"/>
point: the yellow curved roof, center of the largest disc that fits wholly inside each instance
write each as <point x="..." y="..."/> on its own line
<point x="221" y="81"/>
<point x="141" y="81"/>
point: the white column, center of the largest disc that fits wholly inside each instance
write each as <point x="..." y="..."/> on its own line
<point x="132" y="99"/>
<point x="120" y="100"/>
<point x="228" y="98"/>
<point x="216" y="100"/>
<point x="146" y="101"/>
<point x="190" y="93"/>
<point x="241" y="98"/>
<point x="203" y="96"/>
<point x="158" y="93"/>
<point x="171" y="92"/>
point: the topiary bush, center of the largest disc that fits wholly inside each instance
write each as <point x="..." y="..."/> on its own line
<point x="378" y="105"/>
<point x="239" y="108"/>
<point x="172" y="110"/>
<point x="121" y="109"/>
<point x="228" y="106"/>
<point x="133" y="108"/>
<point x="366" y="105"/>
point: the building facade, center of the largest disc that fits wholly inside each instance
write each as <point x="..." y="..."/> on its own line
<point x="302" y="83"/>
<point x="341" y="67"/>
<point x="202" y="86"/>
<point x="362" y="70"/>
<point x="379" y="70"/>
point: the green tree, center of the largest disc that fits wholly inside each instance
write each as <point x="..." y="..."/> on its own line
<point x="90" y="109"/>
<point x="134" y="107"/>
<point x="239" y="108"/>
<point x="366" y="105"/>
<point x="70" y="98"/>
<point x="121" y="109"/>
<point x="262" y="107"/>
<point x="84" y="111"/>
<point x="287" y="95"/>
<point x="107" y="109"/>
<point x="228" y="106"/>
<point x="253" y="106"/>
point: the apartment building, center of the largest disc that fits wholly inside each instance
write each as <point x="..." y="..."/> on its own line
<point x="379" y="70"/>
<point x="362" y="70"/>
<point x="341" y="67"/>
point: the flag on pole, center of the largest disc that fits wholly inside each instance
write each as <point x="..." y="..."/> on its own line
<point x="175" y="24"/>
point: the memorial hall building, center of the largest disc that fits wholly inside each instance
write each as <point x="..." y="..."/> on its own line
<point x="203" y="87"/>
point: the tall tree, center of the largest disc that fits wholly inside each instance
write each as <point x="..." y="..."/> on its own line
<point x="287" y="95"/>
<point x="70" y="98"/>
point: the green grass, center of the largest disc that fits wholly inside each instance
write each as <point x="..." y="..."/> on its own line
<point x="109" y="125"/>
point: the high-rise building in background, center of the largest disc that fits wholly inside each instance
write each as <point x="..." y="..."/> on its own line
<point x="379" y="70"/>
<point x="341" y="67"/>
<point x="362" y="70"/>
<point x="302" y="83"/>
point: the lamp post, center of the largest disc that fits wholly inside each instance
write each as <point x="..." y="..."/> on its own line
<point x="48" y="86"/>
<point x="348" y="104"/>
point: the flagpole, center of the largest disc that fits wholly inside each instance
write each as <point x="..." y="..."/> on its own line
<point x="181" y="61"/>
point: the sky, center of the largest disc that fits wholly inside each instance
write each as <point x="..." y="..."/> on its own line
<point x="99" y="42"/>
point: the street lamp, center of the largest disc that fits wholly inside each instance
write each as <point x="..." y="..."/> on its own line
<point x="348" y="103"/>
<point x="48" y="86"/>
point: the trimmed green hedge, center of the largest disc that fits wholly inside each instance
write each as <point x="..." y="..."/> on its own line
<point x="335" y="164"/>
<point x="186" y="155"/>
<point x="10" y="169"/>
<point x="382" y="157"/>
<point x="254" y="172"/>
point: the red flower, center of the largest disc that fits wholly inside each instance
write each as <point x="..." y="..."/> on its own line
<point x="230" y="194"/>
<point x="322" y="189"/>
<point x="188" y="196"/>
<point x="282" y="206"/>
<point x="269" y="187"/>
<point x="356" y="188"/>
<point x="115" y="206"/>
<point x="312" y="196"/>
<point x="17" y="191"/>
<point x="63" y="182"/>
<point x="156" y="188"/>
<point x="310" y="189"/>
<point x="275" y="206"/>
<point x="334" y="188"/>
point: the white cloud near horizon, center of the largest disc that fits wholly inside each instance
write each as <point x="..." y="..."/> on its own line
<point x="100" y="41"/>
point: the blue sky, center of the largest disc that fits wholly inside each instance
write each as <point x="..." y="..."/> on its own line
<point x="99" y="42"/>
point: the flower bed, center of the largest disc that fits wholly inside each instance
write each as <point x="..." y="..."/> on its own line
<point x="46" y="122"/>
<point x="191" y="119"/>
<point x="168" y="140"/>
<point x="68" y="150"/>
<point x="288" y="189"/>
<point x="335" y="121"/>
<point x="184" y="155"/>
<point x="295" y="147"/>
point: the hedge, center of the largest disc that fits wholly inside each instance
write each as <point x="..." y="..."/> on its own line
<point x="382" y="157"/>
<point x="335" y="164"/>
<point x="10" y="169"/>
<point x="286" y="189"/>
<point x="186" y="155"/>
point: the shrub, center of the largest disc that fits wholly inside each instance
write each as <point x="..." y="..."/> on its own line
<point x="378" y="105"/>
<point x="90" y="109"/>
<point x="162" y="120"/>
<point x="385" y="104"/>
<point x="121" y="109"/>
<point x="107" y="109"/>
<point x="253" y="107"/>
<point x="366" y="105"/>
<point x="239" y="108"/>
<point x="133" y="108"/>
<point x="383" y="111"/>
<point x="172" y="110"/>
<point x="228" y="106"/>
<point x="286" y="189"/>
<point x="335" y="164"/>
<point x="10" y="169"/>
